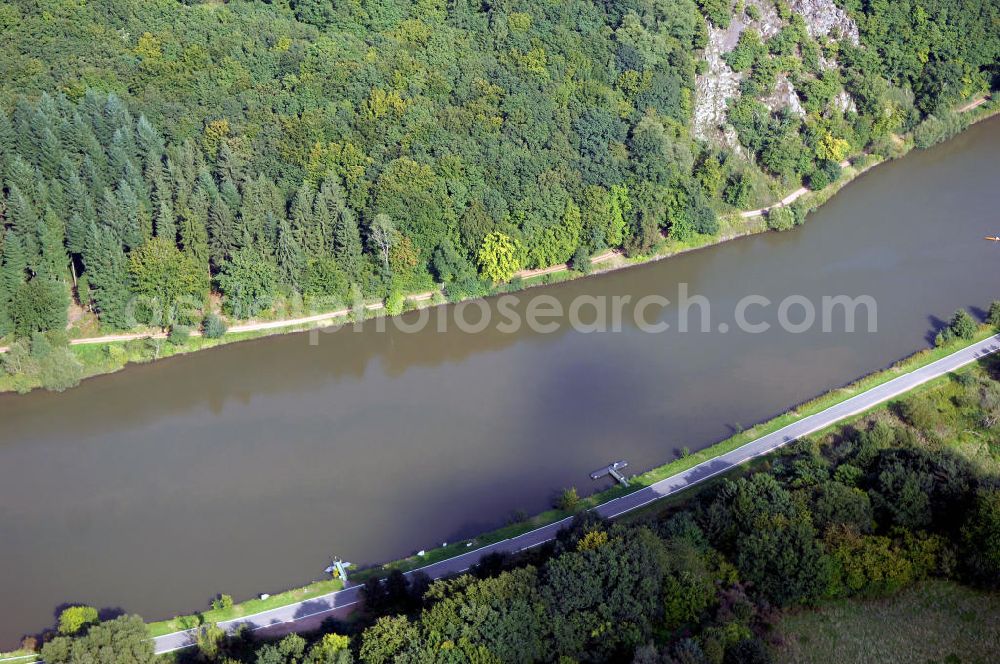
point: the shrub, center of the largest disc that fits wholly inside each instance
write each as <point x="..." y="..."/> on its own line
<point x="209" y="640"/>
<point x="719" y="12"/>
<point x="818" y="180"/>
<point x="75" y="618"/>
<point x="780" y="219"/>
<point x="748" y="49"/>
<point x="962" y="325"/>
<point x="568" y="500"/>
<point x="800" y="210"/>
<point x="213" y="326"/>
<point x="128" y="634"/>
<point x="919" y="413"/>
<point x="581" y="260"/>
<point x="179" y="334"/>
<point x="61" y="370"/>
<point x="394" y="303"/>
<point x="934" y="129"/>
<point x="222" y="602"/>
<point x="993" y="317"/>
<point x="739" y="190"/>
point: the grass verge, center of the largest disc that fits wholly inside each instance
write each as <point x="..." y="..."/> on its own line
<point x="247" y="608"/>
<point x="806" y="409"/>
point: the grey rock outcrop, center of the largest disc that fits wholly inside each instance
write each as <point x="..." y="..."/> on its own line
<point x="719" y="83"/>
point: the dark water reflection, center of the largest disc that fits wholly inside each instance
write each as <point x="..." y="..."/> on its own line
<point x="243" y="468"/>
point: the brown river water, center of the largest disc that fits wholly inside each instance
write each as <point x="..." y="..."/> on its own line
<point x="242" y="469"/>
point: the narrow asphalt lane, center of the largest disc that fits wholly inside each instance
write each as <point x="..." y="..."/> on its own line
<point x="308" y="614"/>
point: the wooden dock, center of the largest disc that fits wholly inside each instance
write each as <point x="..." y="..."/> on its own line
<point x="612" y="470"/>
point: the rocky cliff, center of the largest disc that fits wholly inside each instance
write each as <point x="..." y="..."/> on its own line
<point x="719" y="83"/>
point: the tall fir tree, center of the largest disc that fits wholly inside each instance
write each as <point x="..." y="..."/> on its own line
<point x="348" y="249"/>
<point x="194" y="228"/>
<point x="301" y="215"/>
<point x="223" y="234"/>
<point x="288" y="255"/>
<point x="14" y="264"/>
<point x="107" y="274"/>
<point x="24" y="222"/>
<point x="53" y="261"/>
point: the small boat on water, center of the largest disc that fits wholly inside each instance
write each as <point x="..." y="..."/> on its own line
<point x="993" y="238"/>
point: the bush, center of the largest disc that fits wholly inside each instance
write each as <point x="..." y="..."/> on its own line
<point x="60" y="370"/>
<point x="209" y="640"/>
<point x="993" y="317"/>
<point x="800" y="210"/>
<point x="213" y="326"/>
<point x="128" y="634"/>
<point x="739" y="190"/>
<point x="179" y="334"/>
<point x="934" y="129"/>
<point x="75" y="618"/>
<point x="46" y="360"/>
<point x="222" y="603"/>
<point x="780" y="219"/>
<point x="568" y="500"/>
<point x="394" y="303"/>
<point x="748" y="49"/>
<point x="825" y="174"/>
<point x="919" y="413"/>
<point x="581" y="260"/>
<point x="719" y="12"/>
<point x="818" y="180"/>
<point x="962" y="325"/>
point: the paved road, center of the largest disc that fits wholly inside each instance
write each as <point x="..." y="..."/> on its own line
<point x="307" y="615"/>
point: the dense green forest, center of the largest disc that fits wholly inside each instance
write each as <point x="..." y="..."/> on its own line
<point x="157" y="152"/>
<point x="908" y="493"/>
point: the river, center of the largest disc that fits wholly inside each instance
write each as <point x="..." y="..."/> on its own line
<point x="242" y="469"/>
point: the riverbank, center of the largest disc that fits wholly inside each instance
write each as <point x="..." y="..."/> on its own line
<point x="456" y="554"/>
<point x="220" y="417"/>
<point x="687" y="461"/>
<point x="104" y="354"/>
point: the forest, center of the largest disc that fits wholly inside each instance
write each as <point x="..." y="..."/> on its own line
<point x="163" y="161"/>
<point x="911" y="492"/>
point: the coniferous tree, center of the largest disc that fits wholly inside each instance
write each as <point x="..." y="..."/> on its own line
<point x="137" y="224"/>
<point x="24" y="222"/>
<point x="14" y="266"/>
<point x="119" y="158"/>
<point x="39" y="305"/>
<point x="261" y="208"/>
<point x="301" y="214"/>
<point x="223" y="233"/>
<point x="348" y="249"/>
<point x="50" y="154"/>
<point x="288" y="255"/>
<point x="150" y="142"/>
<point x="21" y="175"/>
<point x="164" y="222"/>
<point x="194" y="228"/>
<point x="7" y="140"/>
<point x="107" y="274"/>
<point x="53" y="260"/>
<point x="22" y="117"/>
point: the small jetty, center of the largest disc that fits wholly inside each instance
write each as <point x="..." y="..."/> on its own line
<point x="612" y="469"/>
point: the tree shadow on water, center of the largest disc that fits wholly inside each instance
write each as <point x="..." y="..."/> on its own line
<point x="937" y="325"/>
